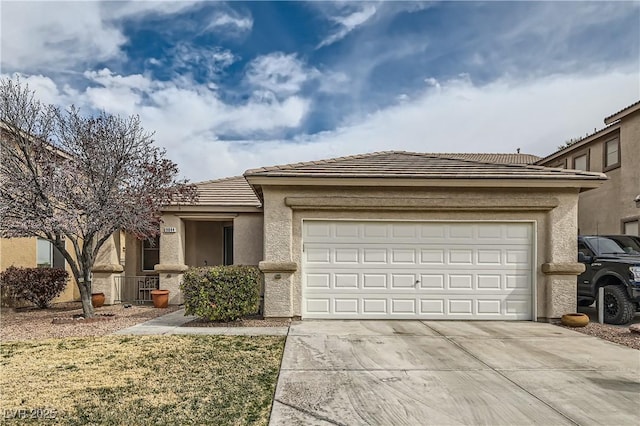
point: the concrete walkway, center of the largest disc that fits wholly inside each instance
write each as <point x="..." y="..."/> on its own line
<point x="453" y="373"/>
<point x="172" y="324"/>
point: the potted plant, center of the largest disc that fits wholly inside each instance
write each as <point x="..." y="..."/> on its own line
<point x="97" y="299"/>
<point x="160" y="298"/>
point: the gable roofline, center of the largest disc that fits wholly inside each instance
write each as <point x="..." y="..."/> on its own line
<point x="401" y="168"/>
<point x="463" y="156"/>
<point x="622" y="113"/>
<point x="580" y="143"/>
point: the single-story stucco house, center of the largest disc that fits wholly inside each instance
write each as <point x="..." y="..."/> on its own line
<point x="395" y="235"/>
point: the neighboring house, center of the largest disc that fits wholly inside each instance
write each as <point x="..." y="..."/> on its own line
<point x="614" y="150"/>
<point x="386" y="235"/>
<point x="32" y="252"/>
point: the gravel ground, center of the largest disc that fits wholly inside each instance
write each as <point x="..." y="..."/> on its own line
<point x="34" y="323"/>
<point x="615" y="334"/>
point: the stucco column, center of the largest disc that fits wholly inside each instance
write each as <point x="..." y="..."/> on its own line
<point x="106" y="267"/>
<point x="277" y="266"/>
<point x="171" y="266"/>
<point x="561" y="268"/>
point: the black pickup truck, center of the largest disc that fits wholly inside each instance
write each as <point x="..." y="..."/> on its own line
<point x="612" y="262"/>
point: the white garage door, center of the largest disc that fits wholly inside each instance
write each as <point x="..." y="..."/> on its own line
<point x="417" y="270"/>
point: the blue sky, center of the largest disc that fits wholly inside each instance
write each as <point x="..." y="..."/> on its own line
<point x="235" y="85"/>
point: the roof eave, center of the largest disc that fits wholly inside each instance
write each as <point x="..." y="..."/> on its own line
<point x="214" y="208"/>
<point x="623" y="113"/>
<point x="593" y="180"/>
<point x="600" y="133"/>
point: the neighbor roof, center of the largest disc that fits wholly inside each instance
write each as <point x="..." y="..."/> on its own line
<point x="401" y="164"/>
<point x="495" y="158"/>
<point x="623" y="112"/>
<point x="231" y="191"/>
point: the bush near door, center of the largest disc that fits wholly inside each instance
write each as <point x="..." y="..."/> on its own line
<point x="221" y="293"/>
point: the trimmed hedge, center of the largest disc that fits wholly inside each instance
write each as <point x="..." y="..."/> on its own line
<point x="37" y="285"/>
<point x="221" y="293"/>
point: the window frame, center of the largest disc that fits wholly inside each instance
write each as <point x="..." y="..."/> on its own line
<point x="143" y="249"/>
<point x="227" y="245"/>
<point x="587" y="156"/>
<point x="626" y="221"/>
<point x="605" y="154"/>
<point x="56" y="259"/>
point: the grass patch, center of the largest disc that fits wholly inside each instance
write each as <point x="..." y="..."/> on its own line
<point x="144" y="380"/>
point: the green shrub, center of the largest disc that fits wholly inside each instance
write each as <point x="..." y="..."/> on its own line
<point x="37" y="285"/>
<point x="221" y="293"/>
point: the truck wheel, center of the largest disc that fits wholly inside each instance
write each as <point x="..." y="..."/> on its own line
<point x="618" y="309"/>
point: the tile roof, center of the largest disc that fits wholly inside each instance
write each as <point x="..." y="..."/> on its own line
<point x="496" y="158"/>
<point x="624" y="111"/>
<point x="401" y="164"/>
<point x="231" y="191"/>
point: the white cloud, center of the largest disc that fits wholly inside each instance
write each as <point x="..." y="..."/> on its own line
<point x="536" y="116"/>
<point x="59" y="35"/>
<point x="282" y="74"/>
<point x="43" y="34"/>
<point x="348" y="23"/>
<point x="211" y="61"/>
<point x="230" y="21"/>
<point x="189" y="121"/>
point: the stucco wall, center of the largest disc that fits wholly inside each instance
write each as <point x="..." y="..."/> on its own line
<point x="21" y="252"/>
<point x="630" y="170"/>
<point x="556" y="229"/>
<point x="247" y="238"/>
<point x="17" y="252"/>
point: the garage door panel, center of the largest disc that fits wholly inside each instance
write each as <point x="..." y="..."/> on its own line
<point x="417" y="270"/>
<point x="346" y="305"/>
<point x="374" y="281"/>
<point x="346" y="281"/>
<point x="403" y="256"/>
<point x="372" y="306"/>
<point x="403" y="281"/>
<point x="374" y="255"/>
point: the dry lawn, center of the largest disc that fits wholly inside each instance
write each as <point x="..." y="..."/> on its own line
<point x="142" y="380"/>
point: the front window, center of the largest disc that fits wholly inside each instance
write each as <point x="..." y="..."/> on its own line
<point x="228" y="245"/>
<point x="47" y="256"/>
<point x="150" y="253"/>
<point x="612" y="153"/>
<point x="580" y="162"/>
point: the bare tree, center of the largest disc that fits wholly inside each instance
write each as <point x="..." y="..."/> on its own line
<point x="65" y="176"/>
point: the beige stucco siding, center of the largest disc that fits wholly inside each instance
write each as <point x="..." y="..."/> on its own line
<point x="555" y="240"/>
<point x="630" y="167"/>
<point x="22" y="252"/>
<point x="247" y="238"/>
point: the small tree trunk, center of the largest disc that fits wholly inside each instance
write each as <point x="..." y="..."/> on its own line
<point x="85" y="297"/>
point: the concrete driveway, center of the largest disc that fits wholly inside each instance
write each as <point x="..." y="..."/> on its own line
<point x="453" y="373"/>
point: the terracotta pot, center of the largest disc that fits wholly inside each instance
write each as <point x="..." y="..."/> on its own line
<point x="97" y="299"/>
<point x="160" y="298"/>
<point x="575" y="320"/>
